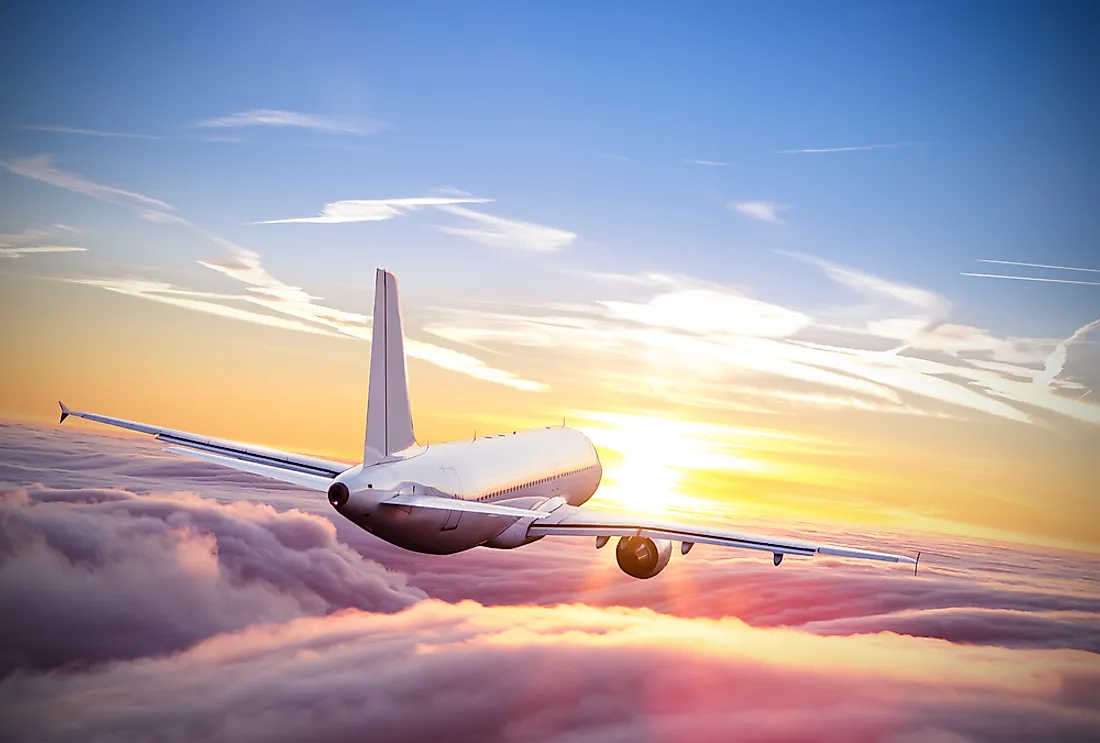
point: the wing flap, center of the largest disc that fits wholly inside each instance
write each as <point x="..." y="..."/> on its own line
<point x="301" y="479"/>
<point x="572" y="521"/>
<point x="465" y="506"/>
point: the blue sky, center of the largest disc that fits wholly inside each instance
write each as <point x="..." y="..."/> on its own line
<point x="717" y="142"/>
<point x="525" y="104"/>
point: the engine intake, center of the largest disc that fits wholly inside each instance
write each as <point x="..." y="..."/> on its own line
<point x="642" y="557"/>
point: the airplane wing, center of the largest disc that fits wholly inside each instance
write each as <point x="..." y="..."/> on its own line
<point x="577" y="522"/>
<point x="308" y="472"/>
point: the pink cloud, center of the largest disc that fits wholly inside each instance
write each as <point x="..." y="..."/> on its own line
<point x="181" y="608"/>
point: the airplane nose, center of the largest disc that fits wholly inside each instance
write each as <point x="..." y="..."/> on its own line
<point x="338" y="495"/>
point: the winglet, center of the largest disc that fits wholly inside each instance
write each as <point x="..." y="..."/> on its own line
<point x="64" y="412"/>
<point x="916" y="563"/>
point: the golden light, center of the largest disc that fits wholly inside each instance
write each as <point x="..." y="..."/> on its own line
<point x="653" y="456"/>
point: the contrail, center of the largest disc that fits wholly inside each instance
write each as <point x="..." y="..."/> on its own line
<point x="1039" y="265"/>
<point x="854" y="149"/>
<point x="1030" y="278"/>
<point x="1082" y="397"/>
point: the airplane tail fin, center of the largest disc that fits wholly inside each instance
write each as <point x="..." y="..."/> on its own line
<point x="389" y="416"/>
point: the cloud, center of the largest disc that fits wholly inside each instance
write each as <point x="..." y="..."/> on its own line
<point x="36" y="240"/>
<point x="622" y="158"/>
<point x="893" y="146"/>
<point x="695" y="333"/>
<point x="264" y="289"/>
<point x="40" y="168"/>
<point x="707" y="311"/>
<point x="573" y="673"/>
<point x="1039" y="265"/>
<point x="89" y="132"/>
<point x="375" y="210"/>
<point x="712" y="163"/>
<point x="207" y="302"/>
<point x="325" y="124"/>
<point x="499" y="232"/>
<point x="153" y="574"/>
<point x="1057" y="359"/>
<point x="1030" y="278"/>
<point x="17" y="252"/>
<point x="766" y="211"/>
<point x="184" y="616"/>
<point x="869" y="284"/>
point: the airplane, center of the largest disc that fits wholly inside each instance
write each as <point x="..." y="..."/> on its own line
<point x="501" y="491"/>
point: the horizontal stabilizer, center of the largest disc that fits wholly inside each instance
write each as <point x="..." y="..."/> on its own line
<point x="465" y="506"/>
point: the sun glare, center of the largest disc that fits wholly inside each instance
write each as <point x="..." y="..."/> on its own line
<point x="655" y="455"/>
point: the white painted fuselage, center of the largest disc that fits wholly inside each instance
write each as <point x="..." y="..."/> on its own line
<point x="533" y="469"/>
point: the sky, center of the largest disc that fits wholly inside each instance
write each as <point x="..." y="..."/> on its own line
<point x="825" y="263"/>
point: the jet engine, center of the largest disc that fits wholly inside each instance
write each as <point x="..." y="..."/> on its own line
<point x="642" y="557"/>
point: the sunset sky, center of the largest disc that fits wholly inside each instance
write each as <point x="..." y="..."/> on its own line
<point x="736" y="244"/>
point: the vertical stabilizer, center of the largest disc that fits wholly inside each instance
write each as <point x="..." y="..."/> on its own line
<point x="389" y="418"/>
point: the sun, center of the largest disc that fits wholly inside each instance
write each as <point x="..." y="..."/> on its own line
<point x="646" y="470"/>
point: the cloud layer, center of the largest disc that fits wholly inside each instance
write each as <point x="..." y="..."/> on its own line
<point x="153" y="612"/>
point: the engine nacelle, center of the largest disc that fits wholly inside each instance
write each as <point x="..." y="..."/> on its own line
<point x="642" y="557"/>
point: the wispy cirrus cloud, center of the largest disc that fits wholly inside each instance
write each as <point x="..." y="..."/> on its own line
<point x="375" y="210"/>
<point x="866" y="283"/>
<point x="89" y="132"/>
<point x="286" y="306"/>
<point x="714" y="336"/>
<point x="1057" y="359"/>
<point x="322" y="123"/>
<point x="499" y="232"/>
<point x="765" y="211"/>
<point x="892" y="146"/>
<point x="37" y="240"/>
<point x="17" y="252"/>
<point x="41" y="168"/>
<point x="711" y="163"/>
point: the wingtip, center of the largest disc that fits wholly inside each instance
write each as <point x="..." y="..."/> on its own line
<point x="916" y="563"/>
<point x="64" y="412"/>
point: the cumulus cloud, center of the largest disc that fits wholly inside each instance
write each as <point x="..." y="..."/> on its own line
<point x="765" y="211"/>
<point x="93" y="574"/>
<point x="572" y="673"/>
<point x="323" y="123"/>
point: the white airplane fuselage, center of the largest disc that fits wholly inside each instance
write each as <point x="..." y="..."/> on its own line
<point x="534" y="469"/>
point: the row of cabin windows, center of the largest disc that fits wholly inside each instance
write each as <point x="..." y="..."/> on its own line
<point x="514" y="488"/>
